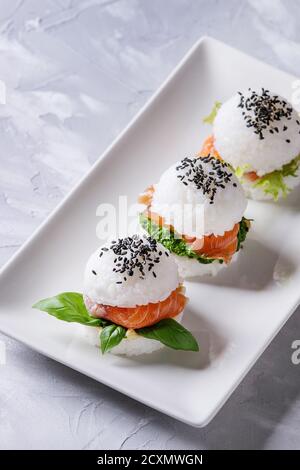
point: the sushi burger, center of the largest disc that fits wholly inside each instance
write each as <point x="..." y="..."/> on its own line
<point x="196" y="211"/>
<point x="258" y="134"/>
<point x="133" y="299"/>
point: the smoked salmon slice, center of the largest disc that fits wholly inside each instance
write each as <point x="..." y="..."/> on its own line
<point x="142" y="315"/>
<point x="251" y="176"/>
<point x="146" y="196"/>
<point x="216" y="246"/>
<point x="211" y="246"/>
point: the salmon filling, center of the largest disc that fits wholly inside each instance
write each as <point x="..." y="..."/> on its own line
<point x="221" y="247"/>
<point x="142" y="315"/>
<point x="208" y="148"/>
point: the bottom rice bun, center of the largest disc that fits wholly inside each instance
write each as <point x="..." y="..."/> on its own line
<point x="197" y="212"/>
<point x="189" y="268"/>
<point x="258" y="133"/>
<point x="133" y="299"/>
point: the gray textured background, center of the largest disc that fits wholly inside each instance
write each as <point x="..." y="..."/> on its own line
<point x="76" y="72"/>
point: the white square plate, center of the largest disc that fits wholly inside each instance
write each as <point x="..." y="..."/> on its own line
<point x="234" y="315"/>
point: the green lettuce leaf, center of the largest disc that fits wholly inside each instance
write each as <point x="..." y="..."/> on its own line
<point x="178" y="246"/>
<point x="212" y="116"/>
<point x="241" y="170"/>
<point x="243" y="231"/>
<point x="169" y="240"/>
<point x="274" y="183"/>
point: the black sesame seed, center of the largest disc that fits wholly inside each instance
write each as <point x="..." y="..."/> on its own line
<point x="261" y="111"/>
<point x="192" y="171"/>
<point x="94" y="272"/>
<point x="134" y="255"/>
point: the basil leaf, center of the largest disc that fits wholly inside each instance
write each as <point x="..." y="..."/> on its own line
<point x="68" y="306"/>
<point x="111" y="336"/>
<point x="171" y="334"/>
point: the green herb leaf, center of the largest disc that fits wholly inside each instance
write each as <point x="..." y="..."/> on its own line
<point x="274" y="183"/>
<point x="212" y="116"/>
<point x="241" y="170"/>
<point x="68" y="306"/>
<point x="291" y="168"/>
<point x="171" y="334"/>
<point x="111" y="336"/>
<point x="178" y="246"/>
<point x="245" y="225"/>
<point x="170" y="241"/>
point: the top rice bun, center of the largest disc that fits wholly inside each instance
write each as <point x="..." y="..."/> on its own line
<point x="257" y="130"/>
<point x="120" y="288"/>
<point x="206" y="191"/>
